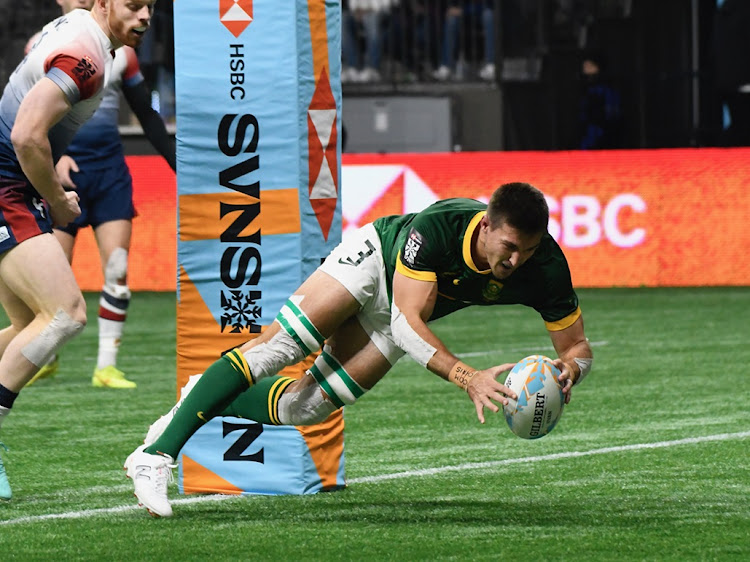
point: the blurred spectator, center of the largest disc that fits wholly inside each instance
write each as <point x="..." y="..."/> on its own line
<point x="412" y="30"/>
<point x="600" y="111"/>
<point x="732" y="67"/>
<point x="156" y="57"/>
<point x="464" y="20"/>
<point x="367" y="17"/>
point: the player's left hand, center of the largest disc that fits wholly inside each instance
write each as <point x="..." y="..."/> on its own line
<point x="65" y="165"/>
<point x="484" y="387"/>
<point x="567" y="378"/>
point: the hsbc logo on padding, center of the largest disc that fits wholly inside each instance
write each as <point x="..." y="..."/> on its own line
<point x="236" y="15"/>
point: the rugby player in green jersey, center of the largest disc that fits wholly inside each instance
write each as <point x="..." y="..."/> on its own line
<point x="369" y="304"/>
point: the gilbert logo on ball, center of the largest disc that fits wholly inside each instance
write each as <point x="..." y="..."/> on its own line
<point x="540" y="402"/>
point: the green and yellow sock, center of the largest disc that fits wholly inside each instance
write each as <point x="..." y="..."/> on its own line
<point x="220" y="384"/>
<point x="260" y="402"/>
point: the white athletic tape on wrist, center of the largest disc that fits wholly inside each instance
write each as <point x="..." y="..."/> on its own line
<point x="409" y="340"/>
<point x="53" y="336"/>
<point x="584" y="364"/>
<point x="334" y="380"/>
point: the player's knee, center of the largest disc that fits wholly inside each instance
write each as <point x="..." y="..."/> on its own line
<point x="76" y="311"/>
<point x="296" y="339"/>
<point x="331" y="376"/>
<point x="333" y="389"/>
<point x="267" y="359"/>
<point x="307" y="406"/>
<point x="61" y="329"/>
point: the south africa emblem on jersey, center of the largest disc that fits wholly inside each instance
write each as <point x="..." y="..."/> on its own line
<point x="491" y="291"/>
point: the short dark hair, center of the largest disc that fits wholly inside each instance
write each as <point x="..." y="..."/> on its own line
<point x="521" y="205"/>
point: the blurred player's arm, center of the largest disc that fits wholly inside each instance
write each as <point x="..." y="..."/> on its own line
<point x="574" y="353"/>
<point x="43" y="106"/>
<point x="413" y="303"/>
<point x="65" y="165"/>
<point x="138" y="97"/>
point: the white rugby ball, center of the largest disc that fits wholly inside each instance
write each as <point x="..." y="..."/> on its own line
<point x="540" y="399"/>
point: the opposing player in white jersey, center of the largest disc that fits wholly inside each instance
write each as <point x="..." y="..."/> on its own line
<point x="94" y="165"/>
<point x="52" y="92"/>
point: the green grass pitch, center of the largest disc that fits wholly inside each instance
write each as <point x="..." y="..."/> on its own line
<point x="650" y="461"/>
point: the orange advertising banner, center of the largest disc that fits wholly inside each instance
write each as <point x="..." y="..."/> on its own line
<point x="676" y="217"/>
<point x="153" y="252"/>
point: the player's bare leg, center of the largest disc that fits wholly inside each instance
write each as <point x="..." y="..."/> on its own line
<point x="38" y="278"/>
<point x="49" y="370"/>
<point x="349" y="365"/>
<point x="38" y="289"/>
<point x="325" y="305"/>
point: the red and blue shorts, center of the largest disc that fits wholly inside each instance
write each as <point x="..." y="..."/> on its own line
<point x="23" y="213"/>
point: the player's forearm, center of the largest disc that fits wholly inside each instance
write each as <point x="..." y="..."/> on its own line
<point x="160" y="139"/>
<point x="414" y="336"/>
<point x="138" y="97"/>
<point x="35" y="157"/>
<point x="579" y="358"/>
<point x="451" y="368"/>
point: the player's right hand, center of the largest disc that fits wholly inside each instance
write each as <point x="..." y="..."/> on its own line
<point x="484" y="387"/>
<point x="66" y="210"/>
<point x="64" y="166"/>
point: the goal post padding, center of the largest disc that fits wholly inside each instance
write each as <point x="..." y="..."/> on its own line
<point x="258" y="165"/>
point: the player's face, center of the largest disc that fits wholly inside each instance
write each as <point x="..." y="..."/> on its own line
<point x="68" y="5"/>
<point x="129" y="19"/>
<point x="505" y="249"/>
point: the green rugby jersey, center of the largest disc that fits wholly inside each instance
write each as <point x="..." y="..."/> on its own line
<point x="435" y="245"/>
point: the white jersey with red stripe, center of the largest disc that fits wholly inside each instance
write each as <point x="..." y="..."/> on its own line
<point x="98" y="140"/>
<point x="76" y="54"/>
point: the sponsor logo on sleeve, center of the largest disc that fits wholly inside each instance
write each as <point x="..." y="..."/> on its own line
<point x="85" y="68"/>
<point x="414" y="243"/>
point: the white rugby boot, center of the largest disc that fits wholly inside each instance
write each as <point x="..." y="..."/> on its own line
<point x="151" y="475"/>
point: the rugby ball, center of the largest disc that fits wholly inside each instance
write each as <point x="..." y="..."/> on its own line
<point x="540" y="399"/>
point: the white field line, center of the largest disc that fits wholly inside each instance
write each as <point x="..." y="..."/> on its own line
<point x="405" y="474"/>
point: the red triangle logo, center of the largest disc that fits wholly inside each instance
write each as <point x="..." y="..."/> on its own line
<point x="320" y="156"/>
<point x="324" y="211"/>
<point x="236" y="15"/>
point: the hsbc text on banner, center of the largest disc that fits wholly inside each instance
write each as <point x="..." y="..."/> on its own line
<point x="258" y="154"/>
<point x="623" y="217"/>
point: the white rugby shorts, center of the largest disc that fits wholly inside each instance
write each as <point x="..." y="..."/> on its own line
<point x="357" y="264"/>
